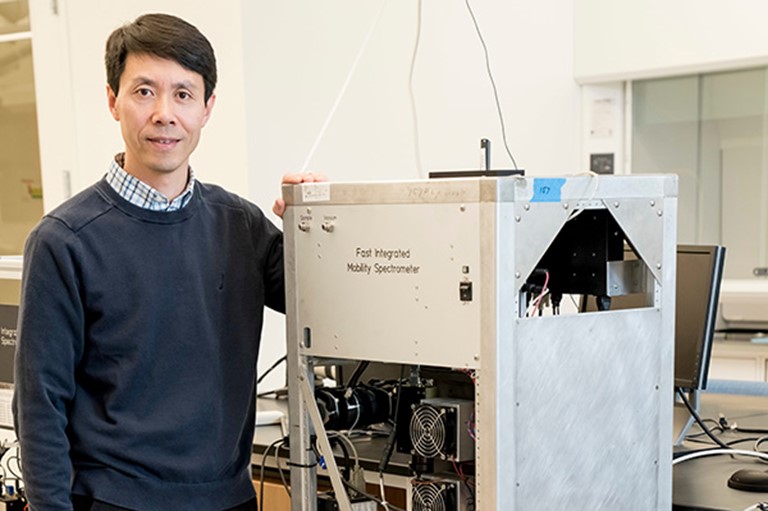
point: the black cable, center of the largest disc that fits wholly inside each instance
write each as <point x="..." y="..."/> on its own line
<point x="699" y="420"/>
<point x="751" y="430"/>
<point x="345" y="453"/>
<point x="696" y="436"/>
<point x="391" y="440"/>
<point x="729" y="443"/>
<point x="718" y="426"/>
<point x="272" y="368"/>
<point x="357" y="373"/>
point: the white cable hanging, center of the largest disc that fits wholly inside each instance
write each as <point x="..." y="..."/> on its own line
<point x="343" y="87"/>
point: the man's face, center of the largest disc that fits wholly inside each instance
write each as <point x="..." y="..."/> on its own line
<point x="161" y="110"/>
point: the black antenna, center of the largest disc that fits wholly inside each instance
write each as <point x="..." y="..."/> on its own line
<point x="485" y="145"/>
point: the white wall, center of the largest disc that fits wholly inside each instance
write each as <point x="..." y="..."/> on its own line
<point x="298" y="54"/>
<point x="281" y="66"/>
<point x="652" y="38"/>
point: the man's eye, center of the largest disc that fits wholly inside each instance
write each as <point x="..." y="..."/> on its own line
<point x="144" y="92"/>
<point x="184" y="95"/>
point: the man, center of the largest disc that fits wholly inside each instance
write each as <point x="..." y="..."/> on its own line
<point x="142" y="306"/>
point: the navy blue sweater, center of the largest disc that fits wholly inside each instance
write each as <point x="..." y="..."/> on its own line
<point x="137" y="348"/>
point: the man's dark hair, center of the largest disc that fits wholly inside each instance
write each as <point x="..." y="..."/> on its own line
<point x="166" y="37"/>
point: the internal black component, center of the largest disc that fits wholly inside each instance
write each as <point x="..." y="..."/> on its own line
<point x="410" y="396"/>
<point x="359" y="407"/>
<point x="576" y="261"/>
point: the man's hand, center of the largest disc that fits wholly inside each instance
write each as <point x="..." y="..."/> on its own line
<point x="293" y="179"/>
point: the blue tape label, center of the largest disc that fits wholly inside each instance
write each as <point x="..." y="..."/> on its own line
<point x="547" y="189"/>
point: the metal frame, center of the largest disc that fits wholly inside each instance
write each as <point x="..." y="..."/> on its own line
<point x="570" y="410"/>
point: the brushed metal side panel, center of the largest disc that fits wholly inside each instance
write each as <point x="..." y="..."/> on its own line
<point x="588" y="401"/>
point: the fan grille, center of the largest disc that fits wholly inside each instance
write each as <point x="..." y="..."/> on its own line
<point x="428" y="431"/>
<point x="429" y="497"/>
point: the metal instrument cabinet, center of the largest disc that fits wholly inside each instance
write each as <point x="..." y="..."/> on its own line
<point x="573" y="411"/>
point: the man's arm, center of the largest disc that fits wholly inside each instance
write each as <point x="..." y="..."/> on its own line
<point x="50" y="342"/>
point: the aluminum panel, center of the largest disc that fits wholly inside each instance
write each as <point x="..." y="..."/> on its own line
<point x="396" y="283"/>
<point x="589" y="391"/>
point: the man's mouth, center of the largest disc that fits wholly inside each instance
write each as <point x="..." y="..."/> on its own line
<point x="163" y="140"/>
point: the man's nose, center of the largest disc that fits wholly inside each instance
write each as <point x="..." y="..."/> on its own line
<point x="164" y="113"/>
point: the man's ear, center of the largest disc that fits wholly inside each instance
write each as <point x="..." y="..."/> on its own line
<point x="112" y="103"/>
<point x="209" y="108"/>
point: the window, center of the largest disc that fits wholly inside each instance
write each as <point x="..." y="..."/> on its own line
<point x="711" y="130"/>
<point x="21" y="204"/>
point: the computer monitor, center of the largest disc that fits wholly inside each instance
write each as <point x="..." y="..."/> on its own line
<point x="8" y="315"/>
<point x="699" y="272"/>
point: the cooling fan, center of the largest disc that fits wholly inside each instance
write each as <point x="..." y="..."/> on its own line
<point x="430" y="430"/>
<point x="434" y="496"/>
<point x="438" y="429"/>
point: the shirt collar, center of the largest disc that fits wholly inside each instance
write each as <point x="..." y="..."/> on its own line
<point x="141" y="194"/>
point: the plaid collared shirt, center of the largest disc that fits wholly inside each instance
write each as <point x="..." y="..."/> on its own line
<point x="141" y="194"/>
